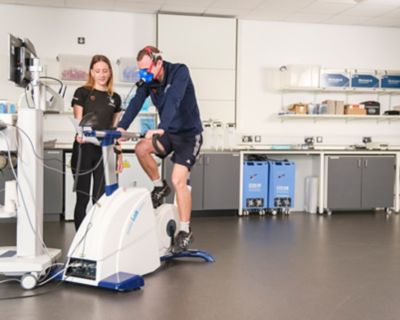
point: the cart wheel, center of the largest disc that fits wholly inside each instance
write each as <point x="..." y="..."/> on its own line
<point x="287" y="211"/>
<point x="274" y="212"/>
<point x="328" y="212"/>
<point x="28" y="281"/>
<point x="388" y="210"/>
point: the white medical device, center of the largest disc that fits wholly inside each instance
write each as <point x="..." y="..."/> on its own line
<point x="122" y="237"/>
<point x="30" y="258"/>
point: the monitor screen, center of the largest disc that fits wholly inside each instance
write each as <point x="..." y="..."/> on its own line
<point x="21" y="53"/>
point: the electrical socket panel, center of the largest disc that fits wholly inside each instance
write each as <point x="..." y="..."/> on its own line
<point x="247" y="139"/>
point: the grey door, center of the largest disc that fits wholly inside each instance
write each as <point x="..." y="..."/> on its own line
<point x="378" y="182"/>
<point x="344" y="182"/>
<point x="53" y="190"/>
<point x="221" y="181"/>
<point x="5" y="175"/>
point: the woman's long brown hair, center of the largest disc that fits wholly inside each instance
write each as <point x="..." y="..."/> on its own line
<point x="90" y="82"/>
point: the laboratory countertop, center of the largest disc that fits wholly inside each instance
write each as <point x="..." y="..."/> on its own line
<point x="130" y="146"/>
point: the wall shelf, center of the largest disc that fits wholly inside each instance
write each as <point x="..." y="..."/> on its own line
<point x="342" y="90"/>
<point x="316" y="117"/>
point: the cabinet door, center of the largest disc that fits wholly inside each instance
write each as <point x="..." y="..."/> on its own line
<point x="344" y="182"/>
<point x="196" y="182"/>
<point x="5" y="175"/>
<point x="378" y="182"/>
<point x="53" y="182"/>
<point x="133" y="174"/>
<point x="221" y="181"/>
<point x="69" y="195"/>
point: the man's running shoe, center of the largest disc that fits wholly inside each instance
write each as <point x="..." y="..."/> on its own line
<point x="182" y="241"/>
<point x="159" y="193"/>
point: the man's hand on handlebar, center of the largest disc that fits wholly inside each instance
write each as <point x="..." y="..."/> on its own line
<point x="150" y="133"/>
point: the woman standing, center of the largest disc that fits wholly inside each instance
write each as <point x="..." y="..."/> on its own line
<point x="97" y="101"/>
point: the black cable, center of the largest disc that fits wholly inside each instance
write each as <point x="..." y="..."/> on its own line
<point x="40" y="158"/>
<point x="32" y="295"/>
<point x="78" y="168"/>
<point x="26" y="98"/>
<point x="52" y="78"/>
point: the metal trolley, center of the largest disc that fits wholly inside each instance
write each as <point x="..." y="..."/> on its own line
<point x="268" y="186"/>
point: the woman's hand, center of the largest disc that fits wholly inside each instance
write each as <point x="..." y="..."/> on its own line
<point x="121" y="130"/>
<point x="120" y="163"/>
<point x="80" y="139"/>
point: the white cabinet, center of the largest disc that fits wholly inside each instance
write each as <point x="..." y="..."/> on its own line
<point x="132" y="175"/>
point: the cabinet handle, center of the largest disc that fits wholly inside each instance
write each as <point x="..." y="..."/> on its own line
<point x="207" y="160"/>
<point x="359" y="163"/>
<point x="365" y="163"/>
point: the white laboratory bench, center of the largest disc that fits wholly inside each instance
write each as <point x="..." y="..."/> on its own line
<point x="309" y="162"/>
<point x="320" y="155"/>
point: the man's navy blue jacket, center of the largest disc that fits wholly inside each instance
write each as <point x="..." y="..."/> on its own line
<point x="174" y="99"/>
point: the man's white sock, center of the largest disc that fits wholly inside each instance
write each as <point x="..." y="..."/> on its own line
<point x="184" y="226"/>
<point x="158" y="183"/>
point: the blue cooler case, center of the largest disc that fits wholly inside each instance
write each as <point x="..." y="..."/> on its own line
<point x="255" y="185"/>
<point x="281" y="184"/>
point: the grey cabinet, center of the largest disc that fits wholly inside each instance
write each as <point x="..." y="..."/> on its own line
<point x="5" y="175"/>
<point x="360" y="182"/>
<point x="214" y="180"/>
<point x="53" y="182"/>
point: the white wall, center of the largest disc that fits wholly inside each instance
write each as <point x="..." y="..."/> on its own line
<point x="54" y="31"/>
<point x="265" y="45"/>
<point x="209" y="50"/>
<point x="261" y="46"/>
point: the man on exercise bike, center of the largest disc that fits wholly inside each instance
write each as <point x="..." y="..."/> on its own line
<point x="172" y="92"/>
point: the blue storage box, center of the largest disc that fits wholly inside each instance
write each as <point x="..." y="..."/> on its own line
<point x="390" y="81"/>
<point x="255" y="185"/>
<point x="334" y="78"/>
<point x="359" y="80"/>
<point x="281" y="184"/>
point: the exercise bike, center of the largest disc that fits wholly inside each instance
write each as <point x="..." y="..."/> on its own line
<point x="122" y="237"/>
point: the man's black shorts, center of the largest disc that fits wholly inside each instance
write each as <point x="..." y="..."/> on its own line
<point x="185" y="148"/>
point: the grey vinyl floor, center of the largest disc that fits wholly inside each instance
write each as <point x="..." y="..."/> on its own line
<point x="344" y="266"/>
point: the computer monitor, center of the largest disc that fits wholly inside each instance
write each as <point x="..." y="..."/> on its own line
<point x="21" y="53"/>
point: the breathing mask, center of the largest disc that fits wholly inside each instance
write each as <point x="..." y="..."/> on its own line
<point x="146" y="75"/>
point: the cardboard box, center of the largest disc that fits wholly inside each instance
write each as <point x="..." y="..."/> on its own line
<point x="339" y="107"/>
<point x="354" y="109"/>
<point x="299" y="108"/>
<point x="328" y="107"/>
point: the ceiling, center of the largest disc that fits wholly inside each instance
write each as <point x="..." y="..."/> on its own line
<point x="383" y="13"/>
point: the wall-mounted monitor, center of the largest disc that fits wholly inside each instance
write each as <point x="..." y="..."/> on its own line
<point x="21" y="54"/>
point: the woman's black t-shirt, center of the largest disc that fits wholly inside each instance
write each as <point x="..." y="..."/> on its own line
<point x="100" y="103"/>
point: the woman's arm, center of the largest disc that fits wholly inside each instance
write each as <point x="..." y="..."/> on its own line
<point x="78" y="112"/>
